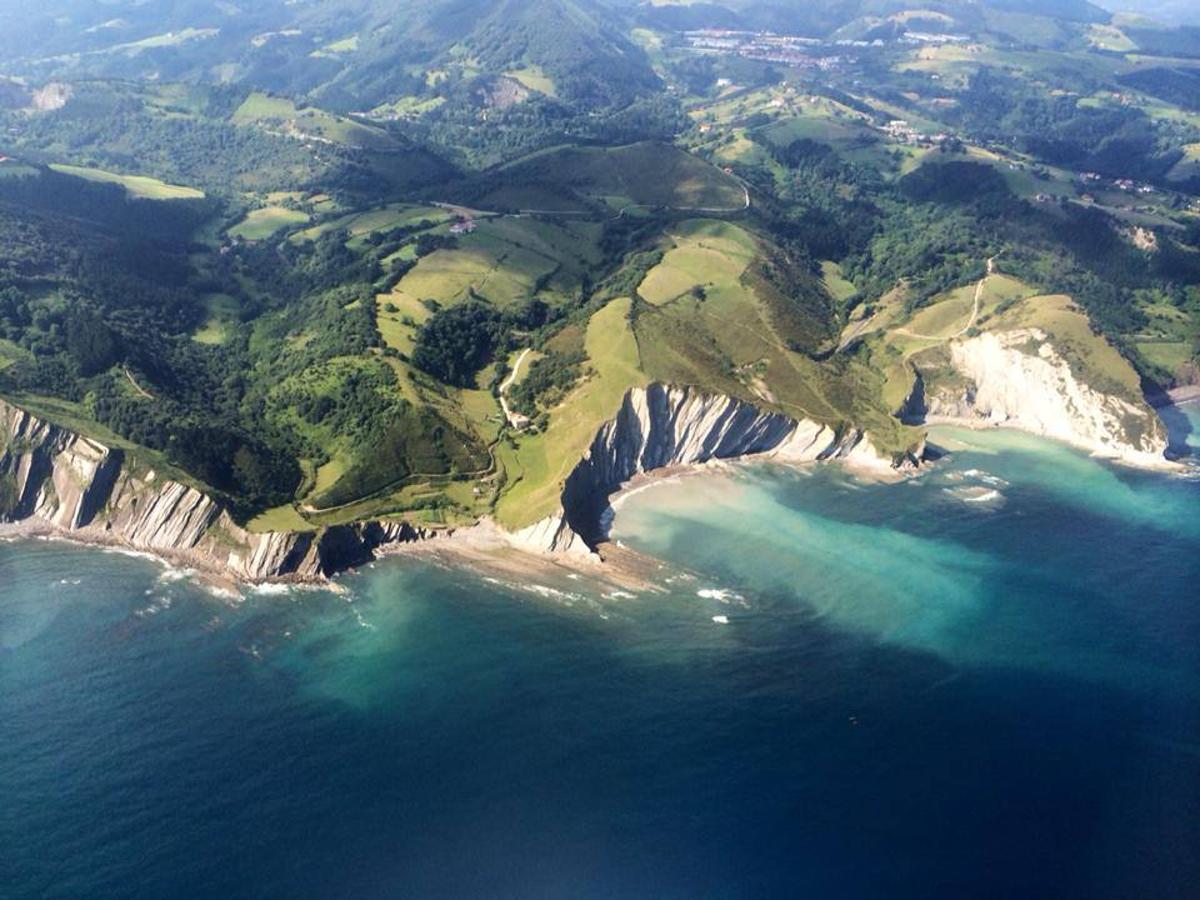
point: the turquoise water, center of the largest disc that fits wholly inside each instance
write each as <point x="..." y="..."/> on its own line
<point x="982" y="683"/>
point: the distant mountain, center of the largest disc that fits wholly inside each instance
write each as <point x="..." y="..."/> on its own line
<point x="1171" y="12"/>
<point x="839" y="18"/>
<point x="349" y="53"/>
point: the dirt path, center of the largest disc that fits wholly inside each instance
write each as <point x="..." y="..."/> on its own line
<point x="991" y="270"/>
<point x="137" y="387"/>
<point x="512" y="418"/>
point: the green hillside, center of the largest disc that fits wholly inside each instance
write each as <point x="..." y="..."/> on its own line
<point x="295" y="253"/>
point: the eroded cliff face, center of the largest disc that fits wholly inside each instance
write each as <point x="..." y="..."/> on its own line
<point x="661" y="426"/>
<point x="61" y="483"/>
<point x="1018" y="378"/>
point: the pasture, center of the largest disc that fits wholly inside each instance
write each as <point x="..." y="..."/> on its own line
<point x="223" y="313"/>
<point x="260" y="224"/>
<point x="707" y="255"/>
<point x="141" y="186"/>
<point x="309" y="122"/>
<point x="648" y="174"/>
<point x="539" y="463"/>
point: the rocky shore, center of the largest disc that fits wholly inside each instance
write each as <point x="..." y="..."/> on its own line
<point x="663" y="426"/>
<point x="54" y="482"/>
<point x="1018" y="379"/>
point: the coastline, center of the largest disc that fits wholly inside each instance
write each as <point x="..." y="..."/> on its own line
<point x="483" y="547"/>
<point x="1143" y="461"/>
<point x="218" y="581"/>
<point x="1176" y="396"/>
<point x="661" y="432"/>
<point x="489" y="550"/>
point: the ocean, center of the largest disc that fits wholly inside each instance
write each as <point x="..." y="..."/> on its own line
<point x="984" y="682"/>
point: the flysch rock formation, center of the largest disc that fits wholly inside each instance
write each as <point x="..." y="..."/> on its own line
<point x="60" y="483"/>
<point x="63" y="483"/>
<point x="660" y="426"/>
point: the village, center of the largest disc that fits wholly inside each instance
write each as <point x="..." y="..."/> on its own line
<point x="789" y="50"/>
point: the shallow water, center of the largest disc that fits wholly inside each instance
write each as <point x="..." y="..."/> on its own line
<point x="981" y="683"/>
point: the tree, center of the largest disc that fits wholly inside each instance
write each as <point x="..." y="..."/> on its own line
<point x="457" y="342"/>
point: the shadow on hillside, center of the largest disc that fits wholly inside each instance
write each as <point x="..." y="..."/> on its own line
<point x="1179" y="429"/>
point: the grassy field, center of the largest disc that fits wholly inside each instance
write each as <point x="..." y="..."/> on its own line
<point x="645" y="174"/>
<point x="264" y="110"/>
<point x="260" y="224"/>
<point x="140" y="186"/>
<point x="949" y="314"/>
<point x="409" y="107"/>
<point x="1189" y="166"/>
<point x="363" y="223"/>
<point x="539" y="464"/>
<point x="167" y="39"/>
<point x="482" y="265"/>
<point x="11" y="353"/>
<point x="839" y="288"/>
<point x="337" y="48"/>
<point x="1170" y="356"/>
<point x="1110" y="38"/>
<point x="223" y="313"/>
<point x="535" y="79"/>
<point x="708" y="255"/>
<point x="281" y="518"/>
<point x="398" y="316"/>
<point x="506" y="260"/>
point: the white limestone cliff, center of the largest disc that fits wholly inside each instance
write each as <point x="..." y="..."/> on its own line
<point x="1019" y="379"/>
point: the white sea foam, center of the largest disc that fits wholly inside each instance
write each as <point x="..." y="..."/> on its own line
<point x="271" y="589"/>
<point x="975" y="495"/>
<point x="170" y="575"/>
<point x="721" y="620"/>
<point x="985" y="477"/>
<point x="567" y="598"/>
<point x="985" y="497"/>
<point x="723" y="595"/>
<point x="154" y="608"/>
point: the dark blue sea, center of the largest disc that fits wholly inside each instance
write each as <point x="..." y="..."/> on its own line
<point x="981" y="683"/>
